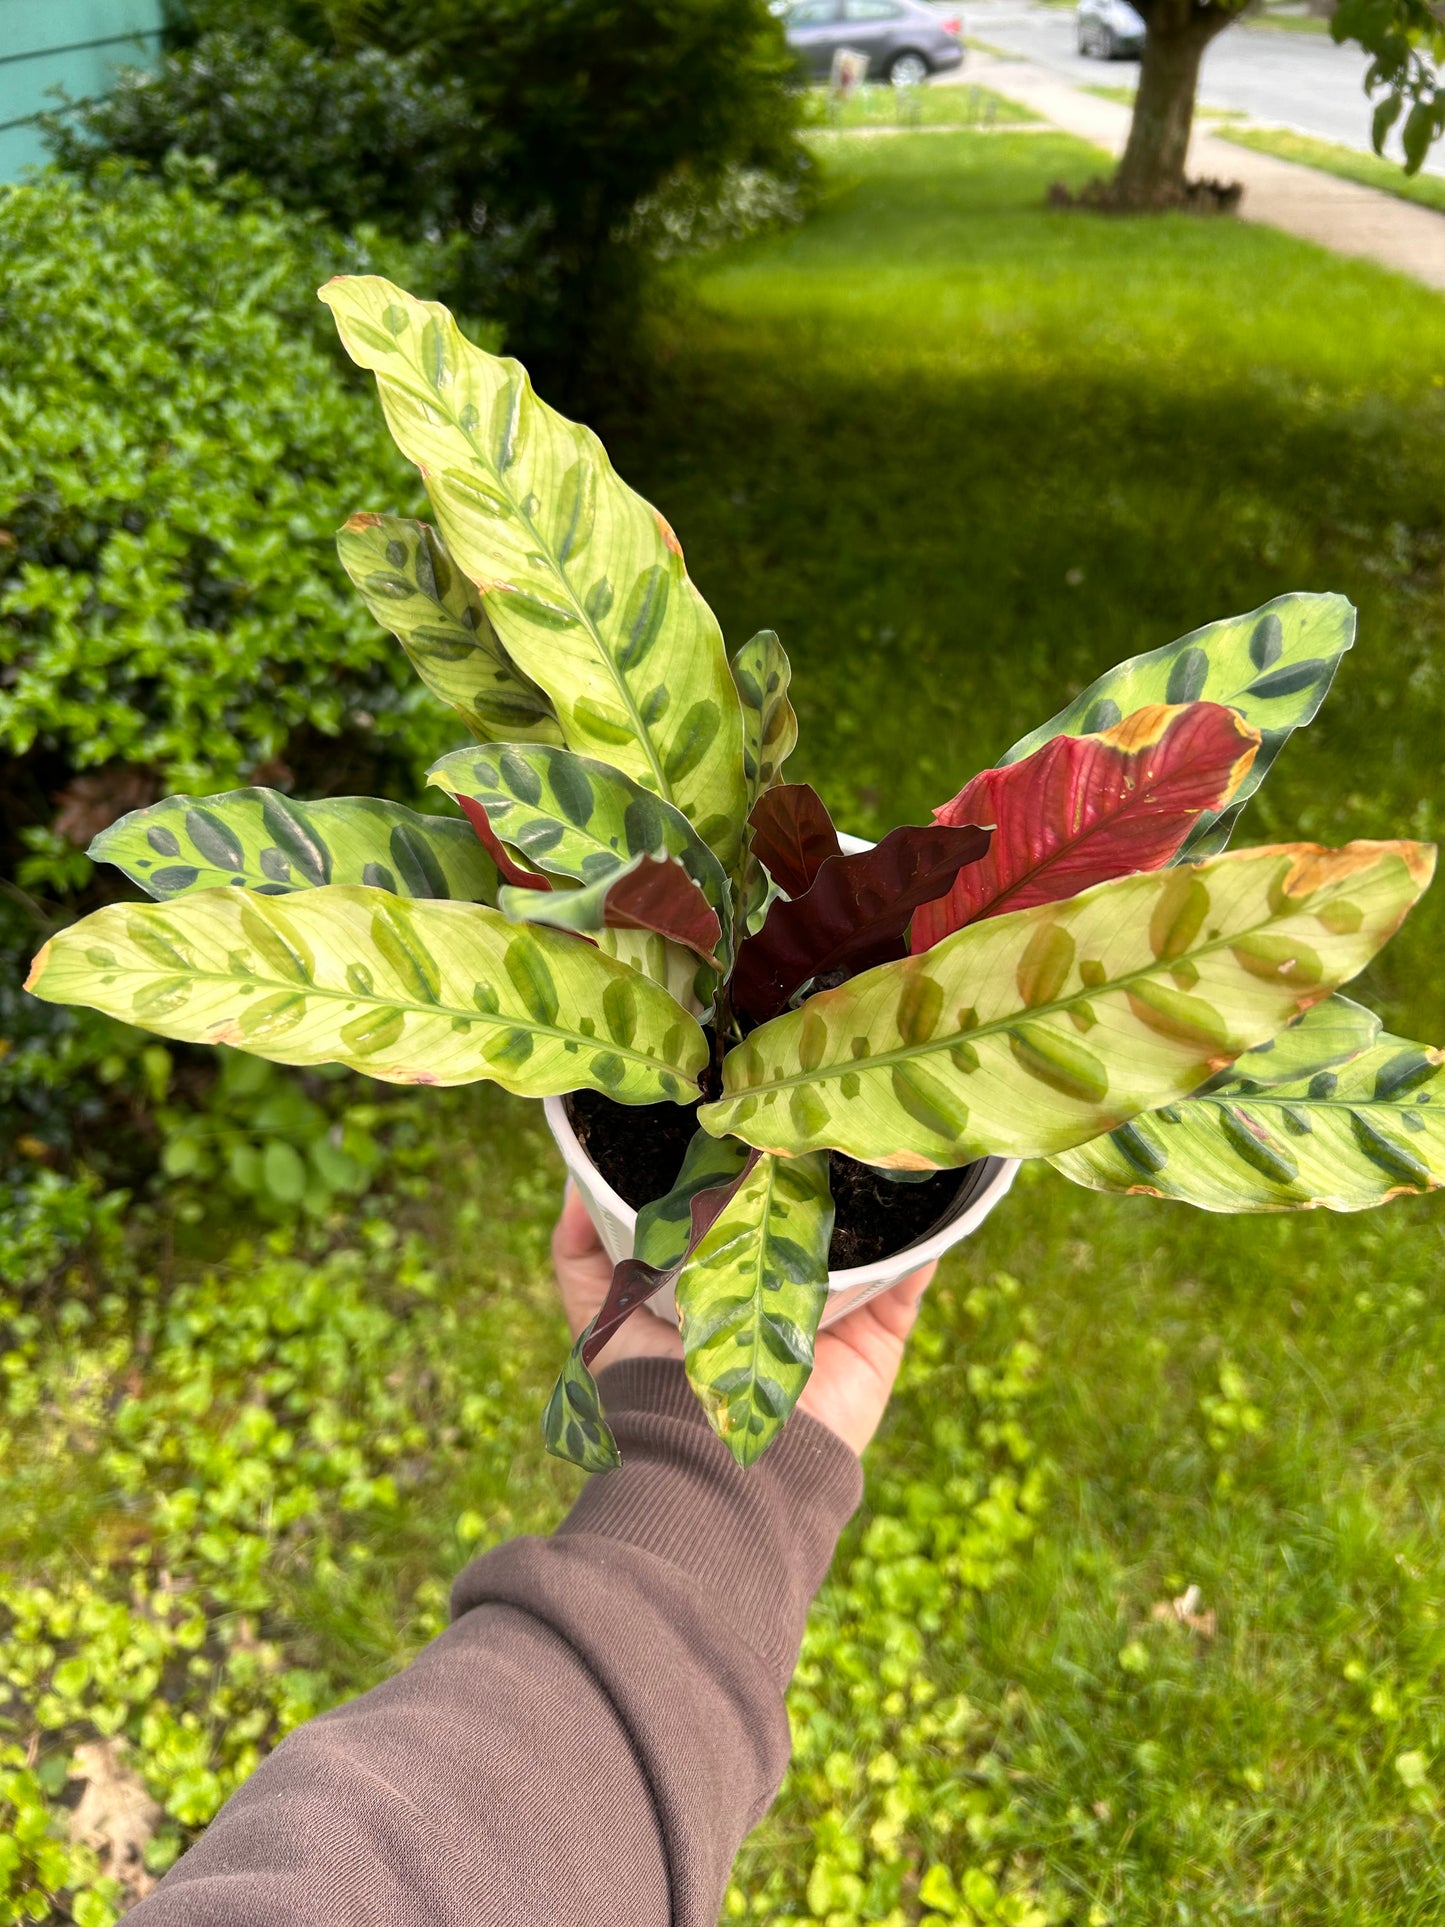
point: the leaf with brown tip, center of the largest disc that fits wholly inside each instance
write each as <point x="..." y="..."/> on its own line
<point x="1026" y="1034"/>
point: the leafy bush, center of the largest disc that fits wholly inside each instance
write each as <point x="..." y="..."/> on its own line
<point x="533" y="126"/>
<point x="356" y="135"/>
<point x="177" y="439"/>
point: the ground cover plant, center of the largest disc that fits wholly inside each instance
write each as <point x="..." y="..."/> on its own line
<point x="1023" y="977"/>
<point x="941" y="420"/>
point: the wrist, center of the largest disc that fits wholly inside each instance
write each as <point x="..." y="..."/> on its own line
<point x="758" y="1542"/>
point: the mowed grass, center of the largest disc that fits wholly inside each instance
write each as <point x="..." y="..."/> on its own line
<point x="945" y="104"/>
<point x="1370" y="170"/>
<point x="963" y="453"/>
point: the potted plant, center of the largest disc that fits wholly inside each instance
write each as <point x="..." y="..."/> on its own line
<point x="776" y="1046"/>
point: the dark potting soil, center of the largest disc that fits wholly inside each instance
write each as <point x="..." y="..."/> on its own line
<point x="639" y="1149"/>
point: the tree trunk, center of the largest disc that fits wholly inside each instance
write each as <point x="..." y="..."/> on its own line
<point x="1151" y="174"/>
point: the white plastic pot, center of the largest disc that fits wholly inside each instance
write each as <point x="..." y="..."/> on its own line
<point x="616" y="1222"/>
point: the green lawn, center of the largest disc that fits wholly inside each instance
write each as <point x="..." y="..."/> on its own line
<point x="1351" y="165"/>
<point x="962" y="453"/>
<point x="905" y="107"/>
<point x="1124" y="97"/>
<point x="1276" y="20"/>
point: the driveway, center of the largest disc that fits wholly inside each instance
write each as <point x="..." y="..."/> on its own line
<point x="1297" y="80"/>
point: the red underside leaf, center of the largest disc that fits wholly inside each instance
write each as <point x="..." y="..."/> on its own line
<point x="634" y="1281"/>
<point x="793" y="835"/>
<point x="659" y="895"/>
<point x="508" y="867"/>
<point x="1083" y="809"/>
<point x="855" y="915"/>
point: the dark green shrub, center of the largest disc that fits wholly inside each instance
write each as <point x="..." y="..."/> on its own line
<point x="551" y="122"/>
<point x="593" y="107"/>
<point x="178" y="444"/>
<point x="358" y="135"/>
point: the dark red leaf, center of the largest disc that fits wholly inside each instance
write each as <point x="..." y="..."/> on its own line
<point x="634" y="1282"/>
<point x="508" y="868"/>
<point x="660" y="895"/>
<point x="649" y="893"/>
<point x="856" y="914"/>
<point x="793" y="835"/>
<point x="1083" y="809"/>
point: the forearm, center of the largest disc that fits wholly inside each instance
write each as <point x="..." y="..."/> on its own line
<point x="589" y="1741"/>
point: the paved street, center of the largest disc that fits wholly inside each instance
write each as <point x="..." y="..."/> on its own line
<point x="1294" y="80"/>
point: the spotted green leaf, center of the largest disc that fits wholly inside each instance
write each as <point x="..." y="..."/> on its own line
<point x="750" y="1298"/>
<point x="573" y="816"/>
<point x="273" y="844"/>
<point x="573" y="1425"/>
<point x="415" y="590"/>
<point x="1025" y="1034"/>
<point x="677" y="970"/>
<point x="661" y="1237"/>
<point x="1342" y="1136"/>
<point x="1274" y="666"/>
<point x="583" y="580"/>
<point x="770" y="726"/>
<point x="409" y="992"/>
<point x="1329" y="1034"/>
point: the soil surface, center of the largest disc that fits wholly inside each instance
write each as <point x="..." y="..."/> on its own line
<point x="639" y="1149"/>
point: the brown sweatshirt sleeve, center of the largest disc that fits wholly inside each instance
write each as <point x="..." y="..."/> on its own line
<point x="590" y="1739"/>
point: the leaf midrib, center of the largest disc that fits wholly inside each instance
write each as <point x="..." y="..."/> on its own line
<point x="759" y="1283"/>
<point x="1101" y="826"/>
<point x="472" y="1014"/>
<point x="430" y="398"/>
<point x="1296" y="1104"/>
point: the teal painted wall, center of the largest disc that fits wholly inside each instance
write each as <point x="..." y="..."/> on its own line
<point x="76" y="44"/>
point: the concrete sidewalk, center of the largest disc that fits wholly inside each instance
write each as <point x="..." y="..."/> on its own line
<point x="1318" y="207"/>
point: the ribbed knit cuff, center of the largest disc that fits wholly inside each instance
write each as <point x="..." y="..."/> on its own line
<point x="758" y="1542"/>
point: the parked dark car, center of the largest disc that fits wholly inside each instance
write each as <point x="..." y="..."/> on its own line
<point x="904" y="42"/>
<point x="1109" y="29"/>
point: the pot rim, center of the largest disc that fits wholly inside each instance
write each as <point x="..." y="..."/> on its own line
<point x="992" y="1178"/>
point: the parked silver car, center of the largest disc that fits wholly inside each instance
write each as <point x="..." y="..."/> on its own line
<point x="904" y="42"/>
<point x="1110" y="28"/>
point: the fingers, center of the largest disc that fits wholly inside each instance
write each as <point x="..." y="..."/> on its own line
<point x="909" y="1291"/>
<point x="574" y="1236"/>
<point x="897" y="1308"/>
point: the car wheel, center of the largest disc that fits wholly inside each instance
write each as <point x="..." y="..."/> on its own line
<point x="908" y="70"/>
<point x="1083" y="40"/>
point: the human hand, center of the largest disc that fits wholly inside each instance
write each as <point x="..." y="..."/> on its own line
<point x="584" y="1272"/>
<point x="856" y="1360"/>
